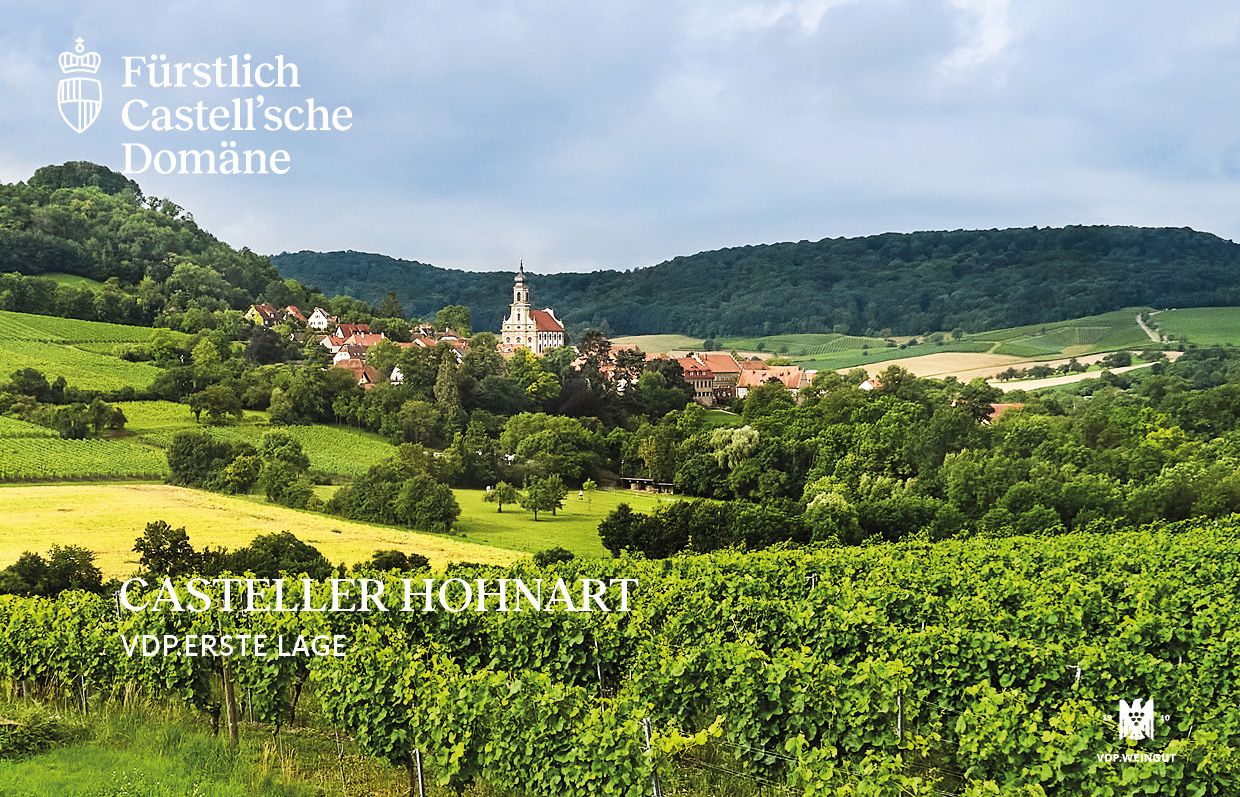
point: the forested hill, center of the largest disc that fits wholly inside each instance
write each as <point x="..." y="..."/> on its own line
<point x="908" y="283"/>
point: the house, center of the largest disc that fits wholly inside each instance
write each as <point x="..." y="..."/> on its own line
<point x="331" y="342"/>
<point x="459" y="346"/>
<point x="792" y="377"/>
<point x="349" y="352"/>
<point x="293" y="312"/>
<point x="320" y="319"/>
<point x="345" y="330"/>
<point x="536" y="330"/>
<point x="997" y="410"/>
<point x="363" y="339"/>
<point x="365" y="375"/>
<point x="264" y="314"/>
<point x="700" y="378"/>
<point x="726" y="370"/>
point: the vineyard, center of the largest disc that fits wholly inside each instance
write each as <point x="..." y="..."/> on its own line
<point x="337" y="450"/>
<point x="984" y="667"/>
<point x="80" y="351"/>
<point x="53" y="329"/>
<point x="44" y="457"/>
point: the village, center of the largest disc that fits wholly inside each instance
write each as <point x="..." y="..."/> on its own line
<point x="716" y="378"/>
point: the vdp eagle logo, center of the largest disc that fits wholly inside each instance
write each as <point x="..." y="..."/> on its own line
<point x="79" y="98"/>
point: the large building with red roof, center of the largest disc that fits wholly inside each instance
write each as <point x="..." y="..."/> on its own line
<point x="536" y="330"/>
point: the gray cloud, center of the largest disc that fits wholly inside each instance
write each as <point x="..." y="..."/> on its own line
<point x="615" y="135"/>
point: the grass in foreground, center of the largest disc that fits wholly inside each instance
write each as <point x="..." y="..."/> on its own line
<point x="107" y="518"/>
<point x="131" y="753"/>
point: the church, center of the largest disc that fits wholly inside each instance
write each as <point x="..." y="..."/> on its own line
<point x="536" y="330"/>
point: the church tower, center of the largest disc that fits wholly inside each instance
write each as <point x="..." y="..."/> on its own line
<point x="536" y="330"/>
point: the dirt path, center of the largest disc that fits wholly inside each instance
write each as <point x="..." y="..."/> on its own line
<point x="1154" y="336"/>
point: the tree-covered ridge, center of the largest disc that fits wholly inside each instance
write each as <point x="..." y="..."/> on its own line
<point x="156" y="264"/>
<point x="907" y="283"/>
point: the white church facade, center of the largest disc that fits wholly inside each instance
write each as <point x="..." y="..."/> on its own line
<point x="536" y="330"/>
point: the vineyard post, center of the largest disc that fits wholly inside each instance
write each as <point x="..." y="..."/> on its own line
<point x="417" y="759"/>
<point x="230" y="697"/>
<point x="344" y="783"/>
<point x="654" y="772"/>
<point x="598" y="668"/>
<point x="900" y="717"/>
<point x="85" y="702"/>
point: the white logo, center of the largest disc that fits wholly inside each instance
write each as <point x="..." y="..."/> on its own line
<point x="79" y="98"/>
<point x="1136" y="721"/>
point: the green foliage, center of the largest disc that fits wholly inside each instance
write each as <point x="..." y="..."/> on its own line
<point x="901" y="283"/>
<point x="502" y="493"/>
<point x="405" y="490"/>
<point x="165" y="551"/>
<point x="543" y="494"/>
<point x="67" y="567"/>
<point x="979" y="667"/>
<point x="271" y="555"/>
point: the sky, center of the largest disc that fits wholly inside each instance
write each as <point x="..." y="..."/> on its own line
<point x="583" y="135"/>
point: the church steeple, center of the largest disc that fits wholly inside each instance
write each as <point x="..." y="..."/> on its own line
<point x="520" y="293"/>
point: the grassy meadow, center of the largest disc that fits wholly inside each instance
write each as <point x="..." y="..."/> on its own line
<point x="107" y="518"/>
<point x="575" y="527"/>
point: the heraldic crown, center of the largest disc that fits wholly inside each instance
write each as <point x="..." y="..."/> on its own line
<point x="80" y="60"/>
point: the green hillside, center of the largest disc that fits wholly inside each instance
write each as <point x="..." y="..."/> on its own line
<point x="83" y="352"/>
<point x="902" y="284"/>
<point x="1204" y="326"/>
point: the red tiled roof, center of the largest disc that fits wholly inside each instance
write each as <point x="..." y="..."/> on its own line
<point x="694" y="369"/>
<point x="365" y="374"/>
<point x="753" y="364"/>
<point x="363" y="339"/>
<point x="720" y="362"/>
<point x="295" y="312"/>
<point x="545" y="321"/>
<point x="787" y="375"/>
<point x="345" y="330"/>
<point x="999" y="409"/>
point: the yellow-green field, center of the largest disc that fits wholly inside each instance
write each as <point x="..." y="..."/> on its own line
<point x="107" y="518"/>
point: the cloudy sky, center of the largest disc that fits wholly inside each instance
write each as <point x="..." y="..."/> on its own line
<point x="582" y="135"/>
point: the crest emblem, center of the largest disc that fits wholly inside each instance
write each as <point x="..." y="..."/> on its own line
<point x="79" y="98"/>
<point x="1136" y="721"/>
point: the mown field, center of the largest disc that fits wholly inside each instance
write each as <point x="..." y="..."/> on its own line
<point x="107" y="518"/>
<point x="575" y="527"/>
<point x="80" y="351"/>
